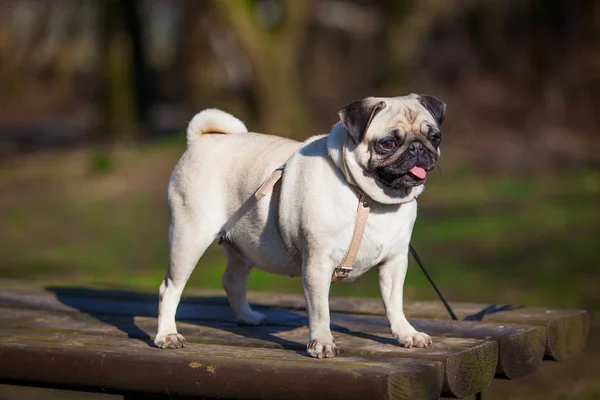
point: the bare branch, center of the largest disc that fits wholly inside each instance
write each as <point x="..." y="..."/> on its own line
<point x="241" y="20"/>
<point x="295" y="19"/>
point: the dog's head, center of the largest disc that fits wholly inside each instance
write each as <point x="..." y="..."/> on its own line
<point x="392" y="144"/>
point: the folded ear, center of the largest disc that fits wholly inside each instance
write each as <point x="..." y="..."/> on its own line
<point x="435" y="106"/>
<point x="357" y="116"/>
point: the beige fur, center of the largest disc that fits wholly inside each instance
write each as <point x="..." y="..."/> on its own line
<point x="213" y="121"/>
<point x="308" y="217"/>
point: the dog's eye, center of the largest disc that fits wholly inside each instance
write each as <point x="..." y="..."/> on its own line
<point x="388" y="144"/>
<point x="435" y="140"/>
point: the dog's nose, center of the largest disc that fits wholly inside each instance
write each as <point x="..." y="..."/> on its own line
<point x="415" y="148"/>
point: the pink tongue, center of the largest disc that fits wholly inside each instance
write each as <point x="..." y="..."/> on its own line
<point x="418" y="172"/>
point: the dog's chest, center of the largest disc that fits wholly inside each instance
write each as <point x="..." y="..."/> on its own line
<point x="387" y="235"/>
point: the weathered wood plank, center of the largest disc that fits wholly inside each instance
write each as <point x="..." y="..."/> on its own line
<point x="469" y="365"/>
<point x="521" y="348"/>
<point x="125" y="365"/>
<point x="566" y="330"/>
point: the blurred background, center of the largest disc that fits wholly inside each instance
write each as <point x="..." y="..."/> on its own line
<point x="95" y="97"/>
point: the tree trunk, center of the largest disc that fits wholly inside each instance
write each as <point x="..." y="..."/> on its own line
<point x="274" y="55"/>
<point x="142" y="75"/>
<point x="120" y="118"/>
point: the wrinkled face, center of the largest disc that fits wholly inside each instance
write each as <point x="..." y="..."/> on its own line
<point x="398" y="138"/>
<point x="402" y="155"/>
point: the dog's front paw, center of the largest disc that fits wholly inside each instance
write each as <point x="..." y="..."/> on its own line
<point x="322" y="349"/>
<point x="414" y="339"/>
<point x="170" y="341"/>
<point x="252" y="318"/>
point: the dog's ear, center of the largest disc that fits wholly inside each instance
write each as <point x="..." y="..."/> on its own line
<point x="435" y="106"/>
<point x="357" y="116"/>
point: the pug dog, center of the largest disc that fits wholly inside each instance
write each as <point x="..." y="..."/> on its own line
<point x="381" y="147"/>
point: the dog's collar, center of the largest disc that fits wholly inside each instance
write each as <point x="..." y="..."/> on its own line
<point x="345" y="170"/>
<point x="360" y="221"/>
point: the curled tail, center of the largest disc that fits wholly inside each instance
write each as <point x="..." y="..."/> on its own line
<point x="212" y="120"/>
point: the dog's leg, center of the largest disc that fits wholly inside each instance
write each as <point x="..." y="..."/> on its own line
<point x="316" y="280"/>
<point x="235" y="282"/>
<point x="391" y="284"/>
<point x="186" y="246"/>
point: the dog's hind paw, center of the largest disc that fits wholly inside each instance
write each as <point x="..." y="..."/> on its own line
<point x="251" y="319"/>
<point x="320" y="349"/>
<point x="170" y="341"/>
<point x="415" y="339"/>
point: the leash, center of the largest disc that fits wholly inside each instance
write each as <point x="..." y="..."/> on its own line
<point x="440" y="295"/>
<point x="478" y="317"/>
<point x="491" y="309"/>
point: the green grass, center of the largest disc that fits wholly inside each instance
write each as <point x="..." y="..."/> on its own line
<point x="484" y="238"/>
<point x="529" y="240"/>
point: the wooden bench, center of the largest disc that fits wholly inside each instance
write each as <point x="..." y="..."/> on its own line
<point x="96" y="340"/>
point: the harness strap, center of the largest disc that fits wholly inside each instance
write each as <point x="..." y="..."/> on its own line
<point x="360" y="223"/>
<point x="269" y="183"/>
